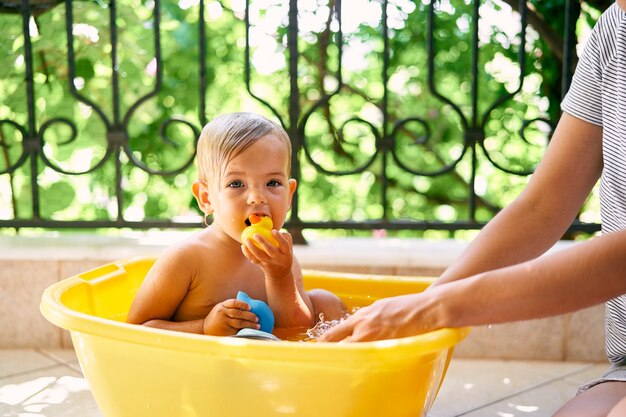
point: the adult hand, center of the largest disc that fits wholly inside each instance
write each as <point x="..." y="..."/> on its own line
<point x="228" y="317"/>
<point x="388" y="318"/>
<point x="275" y="261"/>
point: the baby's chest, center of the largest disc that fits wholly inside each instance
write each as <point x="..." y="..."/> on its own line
<point x="211" y="288"/>
<point x="226" y="286"/>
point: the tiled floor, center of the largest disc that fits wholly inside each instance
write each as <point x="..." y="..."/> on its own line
<point x="36" y="383"/>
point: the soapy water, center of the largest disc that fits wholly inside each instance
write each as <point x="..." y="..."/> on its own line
<point x="314" y="333"/>
<point x="322" y="326"/>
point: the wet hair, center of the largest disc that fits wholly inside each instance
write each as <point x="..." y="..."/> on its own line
<point x="226" y="136"/>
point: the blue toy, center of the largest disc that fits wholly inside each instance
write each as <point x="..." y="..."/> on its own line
<point x="256" y="334"/>
<point x="263" y="312"/>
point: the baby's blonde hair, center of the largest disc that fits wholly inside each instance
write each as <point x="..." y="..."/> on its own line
<point x="226" y="136"/>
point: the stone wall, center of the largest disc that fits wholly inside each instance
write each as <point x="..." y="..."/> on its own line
<point x="29" y="265"/>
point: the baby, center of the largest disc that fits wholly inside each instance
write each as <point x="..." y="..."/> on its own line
<point x="244" y="163"/>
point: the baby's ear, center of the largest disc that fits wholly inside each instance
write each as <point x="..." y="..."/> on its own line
<point x="292" y="188"/>
<point x="201" y="192"/>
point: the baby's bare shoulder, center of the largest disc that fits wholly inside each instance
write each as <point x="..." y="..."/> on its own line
<point x="180" y="258"/>
<point x="190" y="247"/>
<point x="201" y="255"/>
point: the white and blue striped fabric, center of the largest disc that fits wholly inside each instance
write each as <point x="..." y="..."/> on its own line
<point x="598" y="95"/>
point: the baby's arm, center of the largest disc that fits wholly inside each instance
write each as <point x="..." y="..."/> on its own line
<point x="286" y="296"/>
<point x="162" y="291"/>
<point x="228" y="317"/>
<point x="164" y="288"/>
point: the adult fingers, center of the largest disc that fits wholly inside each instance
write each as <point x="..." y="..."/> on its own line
<point x="339" y="332"/>
<point x="364" y="333"/>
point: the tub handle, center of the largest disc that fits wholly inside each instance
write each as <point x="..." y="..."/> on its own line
<point x="101" y="273"/>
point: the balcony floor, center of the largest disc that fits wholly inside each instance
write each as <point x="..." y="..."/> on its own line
<point x="48" y="382"/>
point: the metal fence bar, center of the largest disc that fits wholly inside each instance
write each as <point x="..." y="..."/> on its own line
<point x="386" y="135"/>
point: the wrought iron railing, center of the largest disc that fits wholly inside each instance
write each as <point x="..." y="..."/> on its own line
<point x="23" y="131"/>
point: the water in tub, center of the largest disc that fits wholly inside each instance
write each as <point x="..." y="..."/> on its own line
<point x="312" y="334"/>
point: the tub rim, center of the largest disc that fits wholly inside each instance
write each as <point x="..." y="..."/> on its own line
<point x="75" y="321"/>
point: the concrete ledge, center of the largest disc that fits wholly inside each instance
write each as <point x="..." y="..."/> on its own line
<point x="29" y="265"/>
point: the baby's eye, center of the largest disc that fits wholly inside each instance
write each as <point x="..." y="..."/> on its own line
<point x="274" y="183"/>
<point x="235" y="184"/>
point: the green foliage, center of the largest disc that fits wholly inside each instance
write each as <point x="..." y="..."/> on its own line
<point x="410" y="134"/>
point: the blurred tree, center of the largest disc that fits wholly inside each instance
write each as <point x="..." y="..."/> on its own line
<point x="401" y="149"/>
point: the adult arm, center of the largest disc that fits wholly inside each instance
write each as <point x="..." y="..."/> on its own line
<point x="565" y="281"/>
<point x="521" y="232"/>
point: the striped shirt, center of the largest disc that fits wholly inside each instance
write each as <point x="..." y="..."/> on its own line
<point x="598" y="95"/>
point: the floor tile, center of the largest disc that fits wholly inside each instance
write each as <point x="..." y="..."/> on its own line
<point x="49" y="383"/>
<point x="588" y="374"/>
<point x="66" y="357"/>
<point x="60" y="355"/>
<point x="470" y="384"/>
<point x="542" y="401"/>
<point x="17" y="361"/>
<point x="58" y="391"/>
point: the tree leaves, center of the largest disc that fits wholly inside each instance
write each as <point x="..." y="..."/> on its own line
<point x="360" y="129"/>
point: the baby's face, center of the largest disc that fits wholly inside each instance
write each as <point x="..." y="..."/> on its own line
<point x="254" y="182"/>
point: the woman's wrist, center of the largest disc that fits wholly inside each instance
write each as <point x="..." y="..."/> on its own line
<point x="443" y="309"/>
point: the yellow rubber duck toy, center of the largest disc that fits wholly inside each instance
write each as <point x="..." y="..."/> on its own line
<point x="259" y="224"/>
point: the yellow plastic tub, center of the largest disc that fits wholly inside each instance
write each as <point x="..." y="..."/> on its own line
<point x="135" y="371"/>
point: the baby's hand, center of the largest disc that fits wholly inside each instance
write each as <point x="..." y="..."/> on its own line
<point x="275" y="261"/>
<point x="228" y="317"/>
